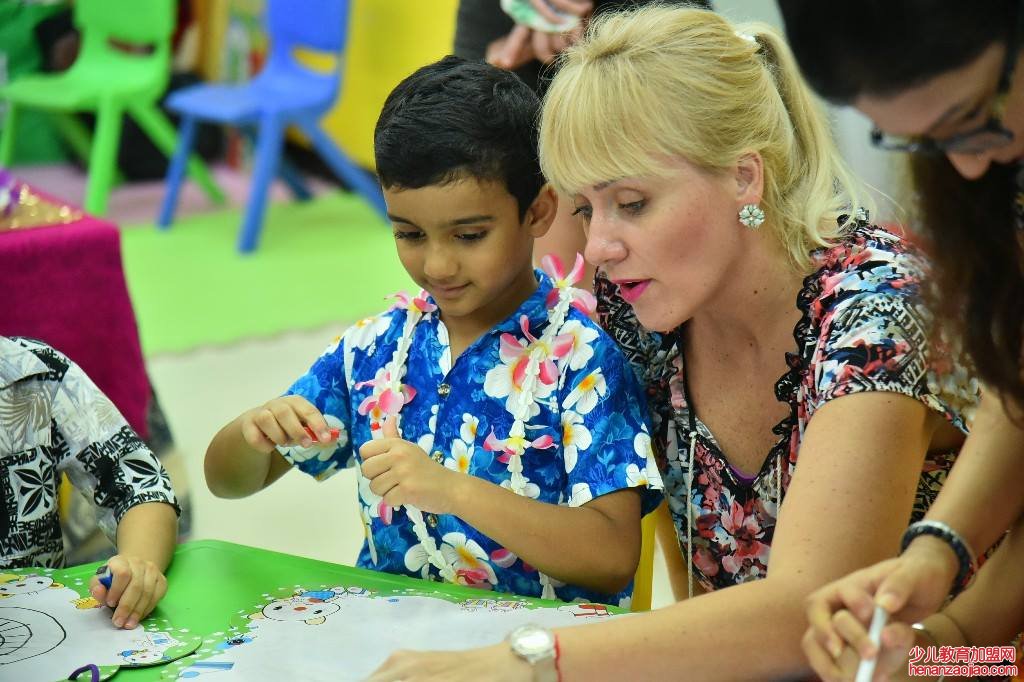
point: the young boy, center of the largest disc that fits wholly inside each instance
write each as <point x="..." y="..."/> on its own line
<point x="523" y="463"/>
<point x="54" y="420"/>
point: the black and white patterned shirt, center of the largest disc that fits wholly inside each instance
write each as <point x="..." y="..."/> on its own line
<point x="54" y="420"/>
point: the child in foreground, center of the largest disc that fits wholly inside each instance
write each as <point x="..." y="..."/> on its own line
<point x="499" y="435"/>
<point x="53" y="421"/>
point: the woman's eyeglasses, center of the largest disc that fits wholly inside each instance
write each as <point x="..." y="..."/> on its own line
<point x="992" y="134"/>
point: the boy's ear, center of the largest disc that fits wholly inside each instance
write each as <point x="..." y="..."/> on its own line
<point x="542" y="211"/>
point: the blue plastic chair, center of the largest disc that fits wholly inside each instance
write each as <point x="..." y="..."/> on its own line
<point x="285" y="92"/>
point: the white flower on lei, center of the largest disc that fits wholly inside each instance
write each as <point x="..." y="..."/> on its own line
<point x="582" y="350"/>
<point x="585" y="395"/>
<point x="506" y="380"/>
<point x="575" y="437"/>
<point x="531" y="490"/>
<point x="418" y="561"/>
<point x="500" y="383"/>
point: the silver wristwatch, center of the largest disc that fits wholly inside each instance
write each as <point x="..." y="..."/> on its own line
<point x="536" y="646"/>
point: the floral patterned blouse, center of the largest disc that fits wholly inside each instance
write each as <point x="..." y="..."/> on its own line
<point x="593" y="415"/>
<point x="863" y="328"/>
<point x="54" y="420"/>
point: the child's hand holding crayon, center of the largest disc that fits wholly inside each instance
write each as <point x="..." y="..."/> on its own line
<point x="131" y="586"/>
<point x="288" y="420"/>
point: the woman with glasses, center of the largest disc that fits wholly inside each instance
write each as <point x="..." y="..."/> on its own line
<point x="779" y="335"/>
<point x="941" y="81"/>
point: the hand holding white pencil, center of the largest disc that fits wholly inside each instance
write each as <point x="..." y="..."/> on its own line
<point x="866" y="669"/>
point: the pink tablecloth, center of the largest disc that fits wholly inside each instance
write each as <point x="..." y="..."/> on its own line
<point x="64" y="284"/>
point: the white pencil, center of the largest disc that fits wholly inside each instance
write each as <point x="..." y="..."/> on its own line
<point x="866" y="669"/>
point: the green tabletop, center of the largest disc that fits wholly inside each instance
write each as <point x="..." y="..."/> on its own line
<point x="210" y="580"/>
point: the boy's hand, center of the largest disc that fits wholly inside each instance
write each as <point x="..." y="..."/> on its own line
<point x="136" y="588"/>
<point x="402" y="473"/>
<point x="283" y="421"/>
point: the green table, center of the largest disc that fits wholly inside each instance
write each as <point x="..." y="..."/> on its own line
<point x="210" y="579"/>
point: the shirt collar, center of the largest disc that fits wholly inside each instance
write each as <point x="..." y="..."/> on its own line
<point x="535" y="308"/>
<point x="17" y="363"/>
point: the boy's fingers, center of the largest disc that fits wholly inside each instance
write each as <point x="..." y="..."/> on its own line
<point x="289" y="421"/>
<point x="128" y="601"/>
<point x="382" y="484"/>
<point x="372" y="448"/>
<point x="147" y="599"/>
<point x="121" y="573"/>
<point x="266" y="422"/>
<point x="256" y="438"/>
<point x="389" y="429"/>
<point x="395" y="496"/>
<point x="97" y="590"/>
<point x="312" y="418"/>
<point x="375" y="465"/>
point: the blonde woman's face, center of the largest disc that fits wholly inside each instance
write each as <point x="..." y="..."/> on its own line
<point x="668" y="242"/>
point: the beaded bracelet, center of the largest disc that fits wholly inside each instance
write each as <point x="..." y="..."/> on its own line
<point x="964" y="554"/>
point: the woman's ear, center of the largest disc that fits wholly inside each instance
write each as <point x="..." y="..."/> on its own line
<point x="749" y="177"/>
<point x="542" y="211"/>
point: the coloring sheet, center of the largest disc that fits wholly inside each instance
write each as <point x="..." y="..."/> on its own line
<point x="345" y="633"/>
<point x="49" y="629"/>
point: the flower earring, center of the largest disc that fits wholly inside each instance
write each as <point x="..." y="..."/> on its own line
<point x="752" y="216"/>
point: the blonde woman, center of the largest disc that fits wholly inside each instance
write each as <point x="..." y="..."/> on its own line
<point x="790" y="368"/>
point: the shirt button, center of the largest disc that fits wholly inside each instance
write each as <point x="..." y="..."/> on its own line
<point x="437" y="456"/>
<point x="432" y="520"/>
<point x="443" y="390"/>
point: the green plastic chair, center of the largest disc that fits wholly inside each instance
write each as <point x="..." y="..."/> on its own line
<point x="110" y="81"/>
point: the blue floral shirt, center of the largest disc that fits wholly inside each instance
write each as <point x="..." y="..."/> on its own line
<point x="594" y="412"/>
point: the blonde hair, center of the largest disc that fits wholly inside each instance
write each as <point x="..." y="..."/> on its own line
<point x="661" y="82"/>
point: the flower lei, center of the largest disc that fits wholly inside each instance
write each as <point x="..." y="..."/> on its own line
<point x="535" y="366"/>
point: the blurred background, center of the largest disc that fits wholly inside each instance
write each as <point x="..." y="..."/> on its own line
<point x="194" y="287"/>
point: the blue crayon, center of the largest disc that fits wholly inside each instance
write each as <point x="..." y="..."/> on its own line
<point x="106" y="577"/>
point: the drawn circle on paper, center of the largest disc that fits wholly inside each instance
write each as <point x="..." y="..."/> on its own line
<point x="26" y="633"/>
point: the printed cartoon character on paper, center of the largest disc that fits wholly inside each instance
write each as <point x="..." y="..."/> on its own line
<point x="143" y="656"/>
<point x="310" y="606"/>
<point x="493" y="605"/>
<point x="149" y="649"/>
<point x="237" y="640"/>
<point x="12" y="585"/>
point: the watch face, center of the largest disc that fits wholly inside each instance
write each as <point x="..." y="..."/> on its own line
<point x="531" y="640"/>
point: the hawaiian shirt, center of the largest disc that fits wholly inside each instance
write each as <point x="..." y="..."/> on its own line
<point x="54" y="420"/>
<point x="863" y="328"/>
<point x="594" y="415"/>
